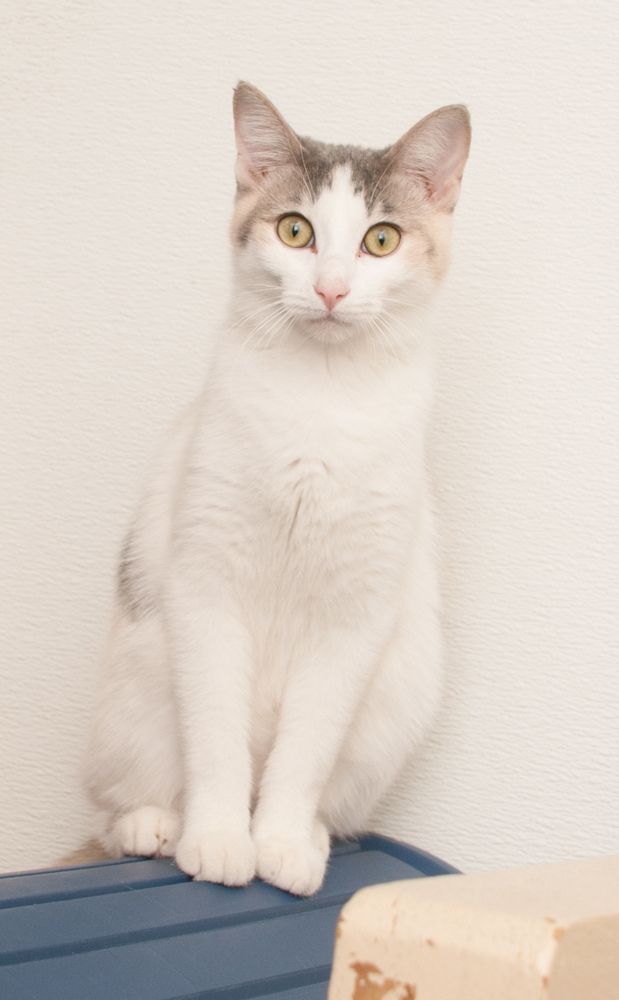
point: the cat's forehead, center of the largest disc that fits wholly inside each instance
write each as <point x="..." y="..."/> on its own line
<point x="364" y="168"/>
<point x="339" y="205"/>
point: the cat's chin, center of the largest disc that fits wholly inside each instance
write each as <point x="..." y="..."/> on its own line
<point x="332" y="329"/>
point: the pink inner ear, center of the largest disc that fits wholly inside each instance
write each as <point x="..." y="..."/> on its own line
<point x="435" y="152"/>
<point x="448" y="172"/>
<point x="257" y="150"/>
<point x="263" y="139"/>
<point x="244" y="177"/>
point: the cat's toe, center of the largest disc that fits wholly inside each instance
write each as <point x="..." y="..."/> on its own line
<point x="149" y="831"/>
<point x="294" y="864"/>
<point x="217" y="856"/>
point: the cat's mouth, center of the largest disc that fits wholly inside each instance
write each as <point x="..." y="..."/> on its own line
<point x="332" y="319"/>
<point x="329" y="324"/>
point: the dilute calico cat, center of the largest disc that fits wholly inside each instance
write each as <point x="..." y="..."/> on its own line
<point x="275" y="651"/>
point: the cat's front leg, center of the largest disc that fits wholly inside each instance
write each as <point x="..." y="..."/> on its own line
<point x="322" y="693"/>
<point x="212" y="673"/>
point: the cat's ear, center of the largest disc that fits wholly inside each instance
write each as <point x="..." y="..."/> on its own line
<point x="264" y="141"/>
<point x="433" y="153"/>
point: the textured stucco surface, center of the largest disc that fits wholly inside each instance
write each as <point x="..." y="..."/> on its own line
<point x="116" y="178"/>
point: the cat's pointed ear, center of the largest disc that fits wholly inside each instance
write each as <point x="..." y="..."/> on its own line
<point x="264" y="141"/>
<point x="434" y="153"/>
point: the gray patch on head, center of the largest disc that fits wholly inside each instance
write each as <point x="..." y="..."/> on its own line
<point x="371" y="172"/>
<point x="368" y="167"/>
<point x="132" y="587"/>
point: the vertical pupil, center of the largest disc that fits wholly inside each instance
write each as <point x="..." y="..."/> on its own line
<point x="382" y="237"/>
<point x="295" y="229"/>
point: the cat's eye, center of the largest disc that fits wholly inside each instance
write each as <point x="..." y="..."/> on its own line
<point x="381" y="240"/>
<point x="295" y="231"/>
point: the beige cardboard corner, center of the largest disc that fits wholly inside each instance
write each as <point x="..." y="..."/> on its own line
<point x="548" y="932"/>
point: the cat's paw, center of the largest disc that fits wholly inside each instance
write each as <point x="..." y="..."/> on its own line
<point x="296" y="864"/>
<point x="217" y="856"/>
<point x="149" y="831"/>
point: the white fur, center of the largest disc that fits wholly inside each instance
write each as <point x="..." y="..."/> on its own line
<point x="286" y="658"/>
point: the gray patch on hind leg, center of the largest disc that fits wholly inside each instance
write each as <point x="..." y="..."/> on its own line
<point x="133" y="588"/>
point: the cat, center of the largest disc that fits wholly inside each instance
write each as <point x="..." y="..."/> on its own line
<point x="275" y="653"/>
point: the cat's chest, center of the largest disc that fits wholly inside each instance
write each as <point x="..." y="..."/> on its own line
<point x="307" y="494"/>
<point x="329" y="452"/>
<point x="302" y="484"/>
<point x="318" y="439"/>
<point x="307" y="460"/>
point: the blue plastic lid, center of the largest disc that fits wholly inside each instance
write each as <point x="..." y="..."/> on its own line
<point x="140" y="929"/>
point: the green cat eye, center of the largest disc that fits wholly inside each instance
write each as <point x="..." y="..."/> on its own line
<point x="294" y="231"/>
<point x="381" y="240"/>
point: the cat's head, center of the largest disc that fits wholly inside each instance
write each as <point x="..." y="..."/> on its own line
<point x="339" y="240"/>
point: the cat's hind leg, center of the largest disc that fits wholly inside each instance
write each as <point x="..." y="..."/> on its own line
<point x="133" y="770"/>
<point x="133" y="767"/>
<point x="148" y="831"/>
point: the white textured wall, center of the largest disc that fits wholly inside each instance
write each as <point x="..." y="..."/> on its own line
<point x="116" y="159"/>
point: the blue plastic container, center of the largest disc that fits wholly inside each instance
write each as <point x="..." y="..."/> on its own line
<point x="139" y="929"/>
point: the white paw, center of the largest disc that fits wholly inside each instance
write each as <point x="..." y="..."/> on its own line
<point x="217" y="856"/>
<point x="296" y="864"/>
<point x="149" y="831"/>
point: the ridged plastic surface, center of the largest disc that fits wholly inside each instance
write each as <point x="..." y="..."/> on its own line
<point x="139" y="929"/>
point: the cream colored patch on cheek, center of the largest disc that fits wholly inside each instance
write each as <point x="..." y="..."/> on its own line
<point x="243" y="209"/>
<point x="439" y="229"/>
<point x="417" y="254"/>
<point x="426" y="249"/>
<point x="265" y="234"/>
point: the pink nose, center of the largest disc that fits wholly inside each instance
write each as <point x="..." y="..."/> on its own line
<point x="331" y="292"/>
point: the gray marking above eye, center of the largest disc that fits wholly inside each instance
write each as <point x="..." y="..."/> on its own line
<point x="367" y="167"/>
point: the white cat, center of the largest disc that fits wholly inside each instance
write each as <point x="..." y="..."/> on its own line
<point x="275" y="651"/>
